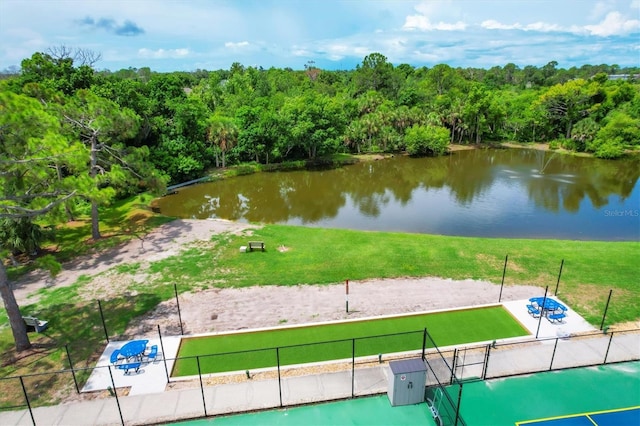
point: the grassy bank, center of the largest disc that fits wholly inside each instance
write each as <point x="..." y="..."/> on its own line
<point x="299" y="255"/>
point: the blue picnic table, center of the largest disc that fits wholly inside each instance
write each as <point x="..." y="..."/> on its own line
<point x="551" y="309"/>
<point x="548" y="304"/>
<point x="132" y="354"/>
<point x="134" y="349"/>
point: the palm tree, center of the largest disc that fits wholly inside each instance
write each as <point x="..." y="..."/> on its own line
<point x="223" y="133"/>
<point x="371" y="125"/>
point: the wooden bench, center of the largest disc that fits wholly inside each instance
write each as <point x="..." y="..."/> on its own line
<point x="255" y="245"/>
<point x="35" y="324"/>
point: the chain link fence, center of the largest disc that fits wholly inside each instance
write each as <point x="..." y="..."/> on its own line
<point x="283" y="384"/>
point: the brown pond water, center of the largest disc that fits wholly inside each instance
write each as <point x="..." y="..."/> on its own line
<point x="490" y="193"/>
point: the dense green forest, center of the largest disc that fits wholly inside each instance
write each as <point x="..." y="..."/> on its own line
<point x="183" y="124"/>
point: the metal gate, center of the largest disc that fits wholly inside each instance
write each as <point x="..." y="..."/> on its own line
<point x="470" y="363"/>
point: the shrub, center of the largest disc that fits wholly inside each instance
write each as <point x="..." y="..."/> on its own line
<point x="428" y="139"/>
<point x="609" y="149"/>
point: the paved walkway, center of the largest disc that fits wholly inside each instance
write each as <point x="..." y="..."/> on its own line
<point x="147" y="404"/>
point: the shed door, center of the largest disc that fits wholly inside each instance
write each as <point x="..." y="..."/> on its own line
<point x="404" y="387"/>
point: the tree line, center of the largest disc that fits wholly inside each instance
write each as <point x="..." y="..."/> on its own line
<point x="191" y="122"/>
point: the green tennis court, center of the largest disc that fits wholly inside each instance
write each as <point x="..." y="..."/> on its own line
<point x="605" y="396"/>
<point x="546" y="398"/>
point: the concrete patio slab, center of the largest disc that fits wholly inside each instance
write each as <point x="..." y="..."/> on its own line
<point x="151" y="378"/>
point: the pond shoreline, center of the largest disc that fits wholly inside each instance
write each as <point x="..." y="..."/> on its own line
<point x="228" y="172"/>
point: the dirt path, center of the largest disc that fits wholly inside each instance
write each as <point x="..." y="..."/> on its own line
<point x="164" y="241"/>
<point x="256" y="307"/>
<point x="233" y="309"/>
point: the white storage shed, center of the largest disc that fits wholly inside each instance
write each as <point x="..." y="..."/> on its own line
<point x="407" y="381"/>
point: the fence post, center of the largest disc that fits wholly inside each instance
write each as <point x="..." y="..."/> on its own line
<point x="544" y="301"/>
<point x="608" y="346"/>
<point x="485" y="367"/>
<point x="204" y="402"/>
<point x="279" y="380"/>
<point x="73" y="372"/>
<point x="553" y="354"/>
<point x="504" y="271"/>
<point x="458" y="407"/>
<point x="26" y="398"/>
<point x="164" y="358"/>
<point x="175" y="289"/>
<point x="353" y="367"/>
<point x="604" y="315"/>
<point x="115" y="393"/>
<point x="453" y="366"/>
<point x="424" y="342"/>
<point x="104" y="325"/>
<point x="347" y="295"/>
<point x="559" y="274"/>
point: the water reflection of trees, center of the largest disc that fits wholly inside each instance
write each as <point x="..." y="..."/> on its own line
<point x="469" y="173"/>
<point x="567" y="181"/>
<point x="553" y="181"/>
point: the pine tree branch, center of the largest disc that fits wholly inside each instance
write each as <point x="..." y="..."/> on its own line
<point x="17" y="212"/>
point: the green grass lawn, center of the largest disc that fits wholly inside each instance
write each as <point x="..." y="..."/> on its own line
<point x="299" y="345"/>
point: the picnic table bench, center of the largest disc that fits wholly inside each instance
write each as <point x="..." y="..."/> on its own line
<point x="535" y="312"/>
<point x="153" y="353"/>
<point x="35" y="324"/>
<point x="129" y="366"/>
<point x="256" y="245"/>
<point x="556" y="317"/>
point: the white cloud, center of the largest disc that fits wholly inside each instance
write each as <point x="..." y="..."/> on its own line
<point x="337" y="51"/>
<point x="543" y="27"/>
<point x="614" y="24"/>
<point x="457" y="26"/>
<point x="600" y="9"/>
<point x="427" y="57"/>
<point x="421" y="22"/>
<point x="536" y="26"/>
<point x="395" y="44"/>
<point x="163" y="53"/>
<point x="238" y="45"/>
<point x="492" y="24"/>
<point x="416" y="22"/>
<point x="428" y="13"/>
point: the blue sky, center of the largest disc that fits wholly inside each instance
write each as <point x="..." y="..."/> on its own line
<point x="172" y="35"/>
